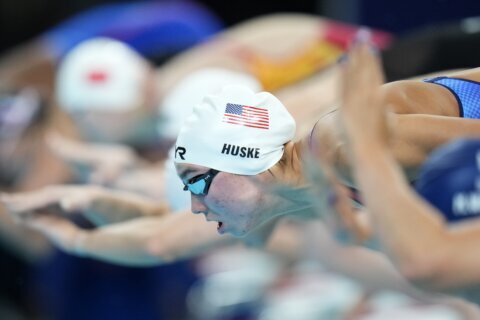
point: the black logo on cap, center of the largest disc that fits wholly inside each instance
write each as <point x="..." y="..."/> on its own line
<point x="243" y="152"/>
<point x="180" y="151"/>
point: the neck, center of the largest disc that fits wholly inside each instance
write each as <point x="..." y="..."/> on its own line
<point x="295" y="202"/>
<point x="291" y="196"/>
<point x="261" y="234"/>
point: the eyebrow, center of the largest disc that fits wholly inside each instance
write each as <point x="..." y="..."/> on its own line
<point x="186" y="172"/>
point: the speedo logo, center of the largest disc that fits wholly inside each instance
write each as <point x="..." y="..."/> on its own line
<point x="243" y="152"/>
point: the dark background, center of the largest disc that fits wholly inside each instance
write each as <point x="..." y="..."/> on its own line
<point x="21" y="20"/>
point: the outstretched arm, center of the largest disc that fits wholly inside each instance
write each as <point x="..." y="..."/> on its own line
<point x="140" y="242"/>
<point x="101" y="163"/>
<point x="411" y="231"/>
<point x="102" y="206"/>
<point x="423" y="116"/>
<point x="415" y="136"/>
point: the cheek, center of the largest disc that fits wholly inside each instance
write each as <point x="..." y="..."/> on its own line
<point x="228" y="191"/>
<point x="235" y="199"/>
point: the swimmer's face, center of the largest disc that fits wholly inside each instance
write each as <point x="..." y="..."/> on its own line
<point x="236" y="202"/>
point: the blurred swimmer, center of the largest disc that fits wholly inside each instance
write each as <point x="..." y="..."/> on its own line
<point x="417" y="235"/>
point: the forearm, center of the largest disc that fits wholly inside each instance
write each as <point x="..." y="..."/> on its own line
<point x="116" y="206"/>
<point x="151" y="241"/>
<point x="124" y="243"/>
<point x="370" y="268"/>
<point x="407" y="227"/>
<point x="416" y="135"/>
<point x="461" y="263"/>
<point x="373" y="271"/>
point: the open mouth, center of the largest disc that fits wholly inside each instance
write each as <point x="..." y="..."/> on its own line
<point x="220" y="227"/>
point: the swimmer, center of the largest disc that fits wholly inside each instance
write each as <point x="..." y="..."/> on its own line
<point x="252" y="212"/>
<point x="282" y="164"/>
<point x="425" y="238"/>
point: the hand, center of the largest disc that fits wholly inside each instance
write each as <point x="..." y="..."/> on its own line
<point x="64" y="198"/>
<point x="102" y="163"/>
<point x="363" y="114"/>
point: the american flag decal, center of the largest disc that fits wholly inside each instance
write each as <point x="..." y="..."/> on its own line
<point x="253" y="117"/>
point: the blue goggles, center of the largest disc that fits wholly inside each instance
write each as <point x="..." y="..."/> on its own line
<point x="199" y="185"/>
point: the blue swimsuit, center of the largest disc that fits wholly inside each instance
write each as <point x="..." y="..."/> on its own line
<point x="467" y="93"/>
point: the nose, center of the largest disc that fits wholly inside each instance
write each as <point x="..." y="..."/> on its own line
<point x="198" y="206"/>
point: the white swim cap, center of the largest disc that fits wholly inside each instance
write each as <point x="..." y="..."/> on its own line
<point x="236" y="131"/>
<point x="101" y="74"/>
<point x="179" y="103"/>
<point x="176" y="197"/>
